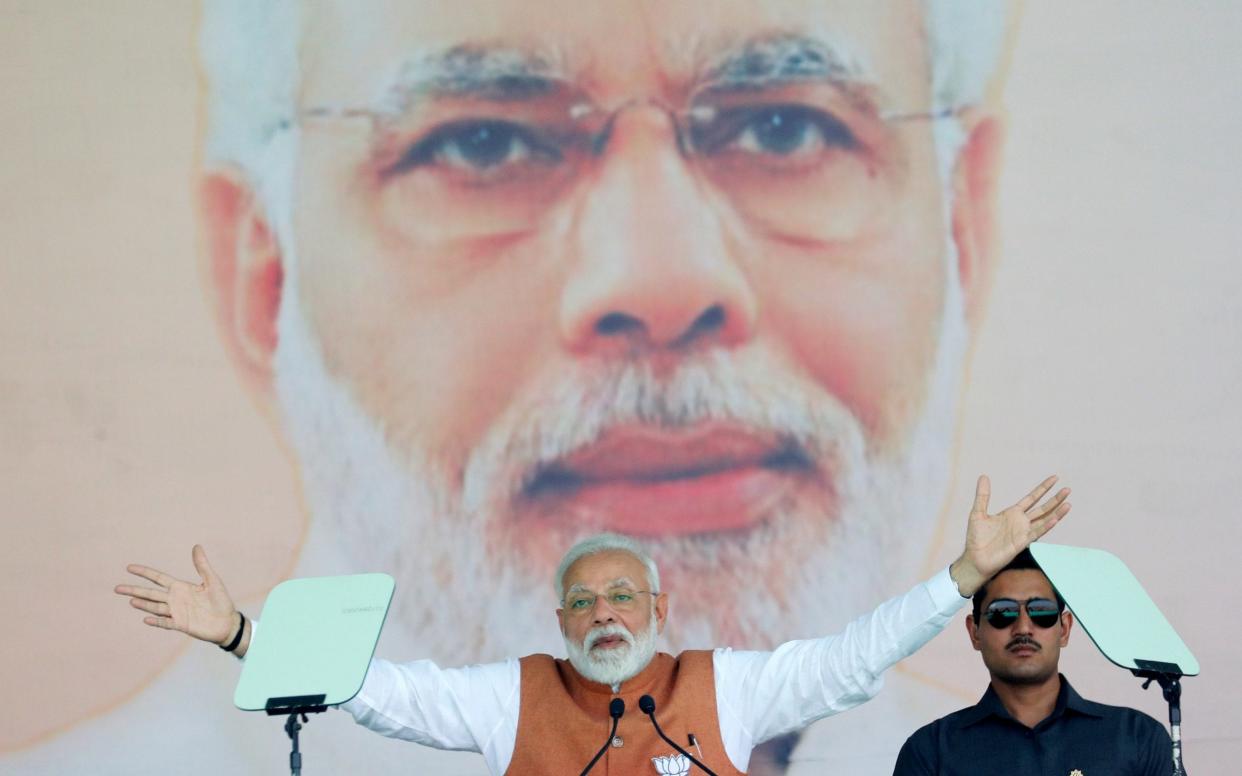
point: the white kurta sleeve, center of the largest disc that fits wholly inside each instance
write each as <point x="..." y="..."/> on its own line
<point x="761" y="695"/>
<point x="473" y="709"/>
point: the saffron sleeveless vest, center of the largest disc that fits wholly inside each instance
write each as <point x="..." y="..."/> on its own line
<point x="563" y="719"/>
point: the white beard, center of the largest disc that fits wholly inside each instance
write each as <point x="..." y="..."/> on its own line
<point x="618" y="664"/>
<point x="385" y="504"/>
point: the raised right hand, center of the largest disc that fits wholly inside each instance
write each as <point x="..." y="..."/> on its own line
<point x="204" y="611"/>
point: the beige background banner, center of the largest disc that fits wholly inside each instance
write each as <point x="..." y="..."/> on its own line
<point x="1108" y="354"/>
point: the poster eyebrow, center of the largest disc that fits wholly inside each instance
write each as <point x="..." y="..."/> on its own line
<point x="772" y="60"/>
<point x="506" y="72"/>
<point x="495" y="71"/>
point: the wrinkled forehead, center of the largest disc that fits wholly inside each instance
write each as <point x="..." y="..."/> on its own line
<point x="354" y="52"/>
<point x="604" y="570"/>
<point x="1019" y="585"/>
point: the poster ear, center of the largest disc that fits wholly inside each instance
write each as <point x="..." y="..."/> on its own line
<point x="244" y="273"/>
<point x="975" y="183"/>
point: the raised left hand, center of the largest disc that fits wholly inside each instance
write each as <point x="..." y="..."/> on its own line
<point x="993" y="540"/>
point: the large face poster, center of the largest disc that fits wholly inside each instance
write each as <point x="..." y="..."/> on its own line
<point x="435" y="289"/>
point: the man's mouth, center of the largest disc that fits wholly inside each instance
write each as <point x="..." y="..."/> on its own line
<point x="648" y="481"/>
<point x="608" y="642"/>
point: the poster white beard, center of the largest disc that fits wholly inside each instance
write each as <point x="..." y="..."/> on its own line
<point x="380" y="503"/>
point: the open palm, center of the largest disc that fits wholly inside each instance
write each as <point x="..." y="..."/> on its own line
<point x="204" y="610"/>
<point x="993" y="540"/>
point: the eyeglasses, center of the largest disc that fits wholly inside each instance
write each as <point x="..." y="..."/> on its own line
<point x="621" y="599"/>
<point x="1004" y="612"/>
<point x="804" y="160"/>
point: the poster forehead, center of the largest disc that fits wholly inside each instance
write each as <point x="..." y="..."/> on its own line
<point x="351" y="51"/>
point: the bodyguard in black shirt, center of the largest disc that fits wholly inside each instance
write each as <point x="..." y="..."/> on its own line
<point x="1030" y="721"/>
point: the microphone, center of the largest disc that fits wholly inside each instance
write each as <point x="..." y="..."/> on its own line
<point x="615" y="710"/>
<point x="646" y="705"/>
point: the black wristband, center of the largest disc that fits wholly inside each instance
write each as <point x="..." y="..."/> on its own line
<point x="236" y="642"/>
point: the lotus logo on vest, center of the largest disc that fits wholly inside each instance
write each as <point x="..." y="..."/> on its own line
<point x="672" y="765"/>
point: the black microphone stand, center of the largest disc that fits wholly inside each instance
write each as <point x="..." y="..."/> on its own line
<point x="615" y="710"/>
<point x="647" y="705"/>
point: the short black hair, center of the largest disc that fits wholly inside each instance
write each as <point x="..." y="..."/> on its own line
<point x="1023" y="560"/>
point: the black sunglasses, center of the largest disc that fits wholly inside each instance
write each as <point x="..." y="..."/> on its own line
<point x="1004" y="612"/>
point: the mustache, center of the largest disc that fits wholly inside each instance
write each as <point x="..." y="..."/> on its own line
<point x="595" y="634"/>
<point x="1023" y="641"/>
<point x="748" y="391"/>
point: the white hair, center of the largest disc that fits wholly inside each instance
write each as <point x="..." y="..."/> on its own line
<point x="250" y="57"/>
<point x="965" y="40"/>
<point x="249" y="52"/>
<point x="605" y="542"/>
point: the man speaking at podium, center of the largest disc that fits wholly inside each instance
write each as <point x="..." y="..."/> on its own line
<point x="538" y="715"/>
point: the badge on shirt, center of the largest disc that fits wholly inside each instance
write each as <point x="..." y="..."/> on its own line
<point x="1075" y="772"/>
<point x="675" y="765"/>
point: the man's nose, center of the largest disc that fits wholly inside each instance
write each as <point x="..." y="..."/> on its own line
<point x="1023" y="624"/>
<point x="602" y="612"/>
<point x="653" y="265"/>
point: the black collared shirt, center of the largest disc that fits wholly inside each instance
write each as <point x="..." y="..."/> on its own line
<point x="1079" y="738"/>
